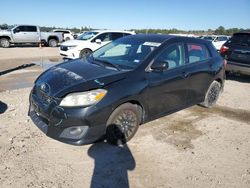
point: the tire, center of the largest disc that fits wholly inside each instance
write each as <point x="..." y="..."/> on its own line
<point x="84" y="53"/>
<point x="67" y="38"/>
<point x="212" y="94"/>
<point x="4" y="42"/>
<point x="53" y="43"/>
<point x="123" y="123"/>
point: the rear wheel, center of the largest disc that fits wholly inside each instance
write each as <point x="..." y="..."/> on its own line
<point x="5" y="43"/>
<point x="53" y="43"/>
<point x="85" y="52"/>
<point x="212" y="94"/>
<point x="123" y="124"/>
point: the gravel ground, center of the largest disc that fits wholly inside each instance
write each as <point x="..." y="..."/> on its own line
<point x="196" y="147"/>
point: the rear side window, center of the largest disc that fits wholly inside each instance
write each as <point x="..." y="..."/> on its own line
<point x="31" y="28"/>
<point x="197" y="52"/>
<point x="116" y="36"/>
<point x="241" y="39"/>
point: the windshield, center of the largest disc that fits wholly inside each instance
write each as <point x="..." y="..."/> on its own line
<point x="87" y="36"/>
<point x="125" y="53"/>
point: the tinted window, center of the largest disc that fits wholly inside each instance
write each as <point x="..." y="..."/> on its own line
<point x="197" y="52"/>
<point x="173" y="54"/>
<point x="116" y="36"/>
<point x="241" y="39"/>
<point x="31" y="28"/>
<point x="26" y="29"/>
<point x="104" y="37"/>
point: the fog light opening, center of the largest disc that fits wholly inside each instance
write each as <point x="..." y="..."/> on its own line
<point x="75" y="131"/>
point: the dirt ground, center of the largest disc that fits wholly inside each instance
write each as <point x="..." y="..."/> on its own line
<point x="196" y="147"/>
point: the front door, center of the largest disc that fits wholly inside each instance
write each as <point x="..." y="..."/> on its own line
<point x="167" y="90"/>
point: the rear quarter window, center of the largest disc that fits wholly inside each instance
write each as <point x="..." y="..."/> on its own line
<point x="197" y="52"/>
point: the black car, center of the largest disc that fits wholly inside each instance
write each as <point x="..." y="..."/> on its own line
<point x="237" y="53"/>
<point x="128" y="82"/>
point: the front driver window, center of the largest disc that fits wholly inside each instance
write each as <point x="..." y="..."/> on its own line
<point x="173" y="54"/>
<point x="105" y="37"/>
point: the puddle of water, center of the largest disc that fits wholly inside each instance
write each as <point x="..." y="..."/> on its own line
<point x="24" y="75"/>
<point x="47" y="63"/>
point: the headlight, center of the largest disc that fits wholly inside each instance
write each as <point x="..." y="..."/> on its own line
<point x="83" y="98"/>
<point x="70" y="47"/>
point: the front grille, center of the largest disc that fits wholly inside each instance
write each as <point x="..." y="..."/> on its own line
<point x="44" y="97"/>
<point x="64" y="48"/>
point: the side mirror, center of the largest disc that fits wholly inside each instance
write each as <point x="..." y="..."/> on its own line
<point x="98" y="41"/>
<point x="159" y="66"/>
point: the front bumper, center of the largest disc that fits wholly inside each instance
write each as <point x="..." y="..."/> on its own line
<point x="72" y="126"/>
<point x="70" y="54"/>
<point x="238" y="68"/>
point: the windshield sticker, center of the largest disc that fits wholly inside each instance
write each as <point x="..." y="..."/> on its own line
<point x="155" y="44"/>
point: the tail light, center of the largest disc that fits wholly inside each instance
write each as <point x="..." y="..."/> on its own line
<point x="62" y="35"/>
<point x="223" y="49"/>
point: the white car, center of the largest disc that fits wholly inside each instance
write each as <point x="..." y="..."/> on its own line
<point x="217" y="40"/>
<point x="89" y="42"/>
<point x="67" y="34"/>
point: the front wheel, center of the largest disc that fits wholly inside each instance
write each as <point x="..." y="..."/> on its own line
<point x="84" y="53"/>
<point x="123" y="124"/>
<point x="5" y="43"/>
<point x="53" y="43"/>
<point x="212" y="94"/>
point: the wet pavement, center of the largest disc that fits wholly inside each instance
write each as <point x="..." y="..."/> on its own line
<point x="21" y="73"/>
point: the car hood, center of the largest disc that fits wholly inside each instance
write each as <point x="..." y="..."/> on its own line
<point x="76" y="76"/>
<point x="3" y="32"/>
<point x="73" y="42"/>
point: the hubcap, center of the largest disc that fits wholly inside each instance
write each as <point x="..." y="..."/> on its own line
<point x="4" y="43"/>
<point x="53" y="43"/>
<point x="126" y="124"/>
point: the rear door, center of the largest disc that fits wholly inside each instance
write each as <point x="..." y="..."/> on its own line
<point x="167" y="90"/>
<point x="239" y="48"/>
<point x="201" y="69"/>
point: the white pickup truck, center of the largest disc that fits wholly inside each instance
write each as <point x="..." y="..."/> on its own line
<point x="23" y="34"/>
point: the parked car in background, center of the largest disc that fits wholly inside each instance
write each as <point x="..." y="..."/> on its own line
<point x="123" y="84"/>
<point x="23" y="34"/>
<point x="237" y="53"/>
<point x="89" y="42"/>
<point x="67" y="34"/>
<point x="217" y="40"/>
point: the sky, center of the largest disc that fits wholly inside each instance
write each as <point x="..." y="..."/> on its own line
<point x="128" y="14"/>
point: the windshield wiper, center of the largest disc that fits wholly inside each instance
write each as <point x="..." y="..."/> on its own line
<point x="105" y="62"/>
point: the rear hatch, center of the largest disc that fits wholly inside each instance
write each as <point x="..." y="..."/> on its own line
<point x="237" y="49"/>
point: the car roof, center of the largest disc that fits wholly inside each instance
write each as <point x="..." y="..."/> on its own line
<point x="152" y="37"/>
<point x="115" y="31"/>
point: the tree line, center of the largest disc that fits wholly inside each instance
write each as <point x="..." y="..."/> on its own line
<point x="219" y="31"/>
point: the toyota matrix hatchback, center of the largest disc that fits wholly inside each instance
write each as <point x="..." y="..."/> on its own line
<point x="128" y="82"/>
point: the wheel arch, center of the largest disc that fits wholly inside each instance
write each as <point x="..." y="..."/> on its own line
<point x="6" y="37"/>
<point x="139" y="104"/>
